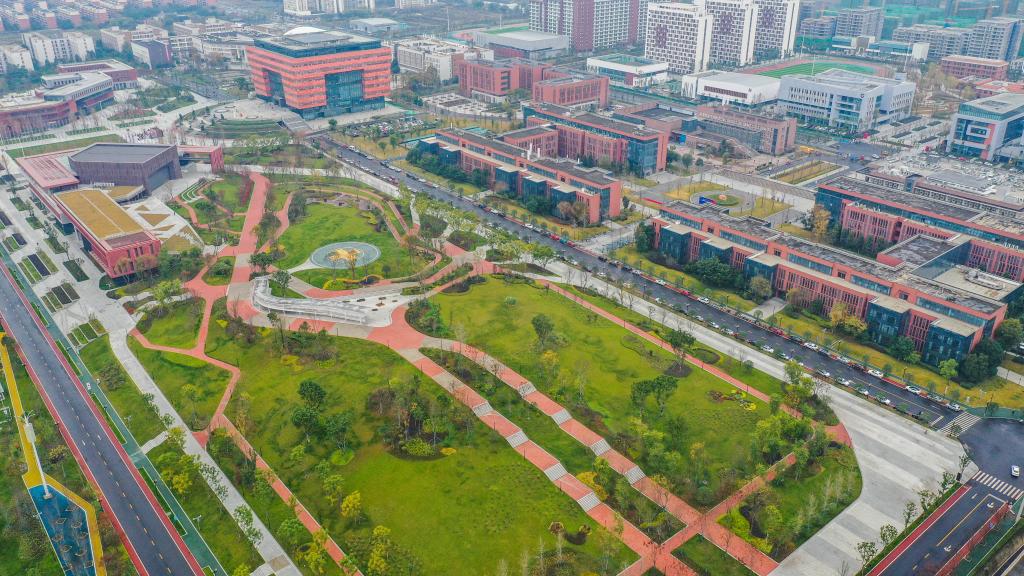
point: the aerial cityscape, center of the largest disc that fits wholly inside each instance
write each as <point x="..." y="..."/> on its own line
<point x="502" y="288"/>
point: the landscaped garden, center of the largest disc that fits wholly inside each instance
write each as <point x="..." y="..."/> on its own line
<point x="175" y="324"/>
<point x="324" y="224"/>
<point x="133" y="406"/>
<point x="706" y="559"/>
<point x="383" y="457"/>
<point x="675" y="420"/>
<point x="219" y="274"/>
<point x="544" y="221"/>
<point x="192" y="386"/>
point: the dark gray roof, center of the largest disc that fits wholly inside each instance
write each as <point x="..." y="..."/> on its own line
<point x="919" y="249"/>
<point x="119" y="153"/>
<point x="900" y="197"/>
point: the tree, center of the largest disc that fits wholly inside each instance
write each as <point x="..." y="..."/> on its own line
<point x="312" y="393"/>
<point x="333" y="488"/>
<point x="797" y="298"/>
<point x="681" y="343"/>
<point x="643" y="237"/>
<point x="867" y="551"/>
<point x="888" y="535"/>
<point x="176" y="438"/>
<point x="760" y="288"/>
<point x="542" y="253"/>
<point x="1010" y="333"/>
<point x="262" y="261"/>
<point x="901" y="347"/>
<point x="352" y="505"/>
<point x="333" y="124"/>
<point x="544" y="328"/>
<point x="948" y="369"/>
<point x="820" y="219"/>
<point x="292" y="532"/>
<point x="909" y="512"/>
<point x="282" y="278"/>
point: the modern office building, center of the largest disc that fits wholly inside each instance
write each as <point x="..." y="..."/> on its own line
<point x="847" y="100"/>
<point x="145" y="165"/>
<point x="775" y="33"/>
<point x="996" y="38"/>
<point x="822" y="27"/>
<point x="313" y="7"/>
<point x="987" y="88"/>
<point x="517" y="172"/>
<point x="153" y="53"/>
<point x="731" y="87"/>
<point x="121" y="40"/>
<point x="115" y="241"/>
<point x="71" y="97"/>
<point x="404" y="4"/>
<point x="493" y="81"/>
<point x="629" y="71"/>
<point x="124" y="76"/>
<point x="576" y="92"/>
<point x="920" y="289"/>
<point x="679" y="35"/>
<point x="988" y="128"/>
<point x="419" y="54"/>
<point x="589" y="24"/>
<point x="525" y="44"/>
<point x="763" y="132"/>
<point x="970" y="66"/>
<point x="865" y="21"/>
<point x="602" y="139"/>
<point x="50" y="47"/>
<point x="376" y="26"/>
<point x="942" y="41"/>
<point x="733" y="30"/>
<point x="318" y="73"/>
<point x="656" y="118"/>
<point x="897" y="51"/>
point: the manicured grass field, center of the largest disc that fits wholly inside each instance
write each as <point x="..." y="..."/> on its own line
<point x="629" y="255"/>
<point x="141" y="419"/>
<point x="763" y="207"/>
<point x="996" y="389"/>
<point x="325" y="224"/>
<point x="228" y="191"/>
<point x="457" y="514"/>
<point x="62" y="145"/>
<point x="177" y="326"/>
<point x="686" y="191"/>
<point x="817" y="68"/>
<point x="216" y="525"/>
<point x="805" y="172"/>
<point x="603" y="359"/>
<point x="178" y="376"/>
<point x="706" y="559"/>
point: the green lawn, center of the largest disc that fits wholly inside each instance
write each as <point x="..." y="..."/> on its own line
<point x="325" y="224"/>
<point x="995" y="389"/>
<point x="122" y="392"/>
<point x="545" y="222"/>
<point x="763" y="207"/>
<point x="62" y="145"/>
<point x="806" y="172"/>
<point x="176" y="326"/>
<point x="178" y="375"/>
<point x="220" y="272"/>
<point x="629" y="255"/>
<point x="815" y="496"/>
<point x="216" y="525"/>
<point x="228" y="191"/>
<point x="817" y="68"/>
<point x="604" y="360"/>
<point x="706" y="559"/>
<point x="480" y="505"/>
<point x="686" y="191"/>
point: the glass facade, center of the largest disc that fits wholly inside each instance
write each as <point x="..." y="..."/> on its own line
<point x="884" y="324"/>
<point x="941" y="344"/>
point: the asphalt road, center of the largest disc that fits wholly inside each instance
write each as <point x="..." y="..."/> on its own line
<point x="936" y="545"/>
<point x="148" y="534"/>
<point x="923" y="408"/>
<point x="996" y="457"/>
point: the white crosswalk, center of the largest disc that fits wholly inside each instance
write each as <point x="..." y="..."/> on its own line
<point x="965" y="420"/>
<point x="998" y="485"/>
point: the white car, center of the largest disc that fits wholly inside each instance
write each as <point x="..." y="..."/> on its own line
<point x="913" y="389"/>
<point x="1015" y="471"/>
<point x="768" y="349"/>
<point x="703" y="300"/>
<point x="846" y="382"/>
<point x="956" y="407"/>
<point x="876" y="373"/>
<point x="810" y="345"/>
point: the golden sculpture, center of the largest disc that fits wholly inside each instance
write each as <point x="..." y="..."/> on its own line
<point x="349" y="255"/>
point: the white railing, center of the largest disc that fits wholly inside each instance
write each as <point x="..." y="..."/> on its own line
<point x="307" y="307"/>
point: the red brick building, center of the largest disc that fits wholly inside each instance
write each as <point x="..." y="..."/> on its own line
<point x="494" y="80"/>
<point x="969" y="66"/>
<point x="318" y="73"/>
<point x="573" y="91"/>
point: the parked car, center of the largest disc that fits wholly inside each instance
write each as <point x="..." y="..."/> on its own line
<point x="876" y="373"/>
<point x="1015" y="471"/>
<point x="846" y="382"/>
<point x="913" y="389"/>
<point x="768" y="349"/>
<point x="810" y="345"/>
<point x="956" y="407"/>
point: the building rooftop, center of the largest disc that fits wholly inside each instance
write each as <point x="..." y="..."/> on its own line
<point x="315" y="42"/>
<point x="974" y="60"/>
<point x="525" y="35"/>
<point x="375" y="21"/>
<point x="597" y="120"/>
<point x="48" y="170"/>
<point x="526" y="132"/>
<point x="119" y="153"/>
<point x="103" y="217"/>
<point x="920" y="249"/>
<point x="871" y="191"/>
<point x="658" y="113"/>
<point x="749" y="80"/>
<point x="626" y="59"/>
<point x="97" y="65"/>
<point x="846" y="79"/>
<point x="751" y="226"/>
<point x="1003" y="104"/>
<point x="88" y="80"/>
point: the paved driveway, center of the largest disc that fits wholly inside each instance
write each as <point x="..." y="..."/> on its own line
<point x="897" y="458"/>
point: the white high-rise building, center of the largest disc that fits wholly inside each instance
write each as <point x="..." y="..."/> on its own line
<point x="403" y="4"/>
<point x="679" y="34"/>
<point x="16" y="57"/>
<point x="776" y="28"/>
<point x="735" y="25"/>
<point x="51" y="46"/>
<point x="310" y="7"/>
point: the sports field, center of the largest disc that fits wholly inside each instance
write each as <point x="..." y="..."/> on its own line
<point x="815" y="68"/>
